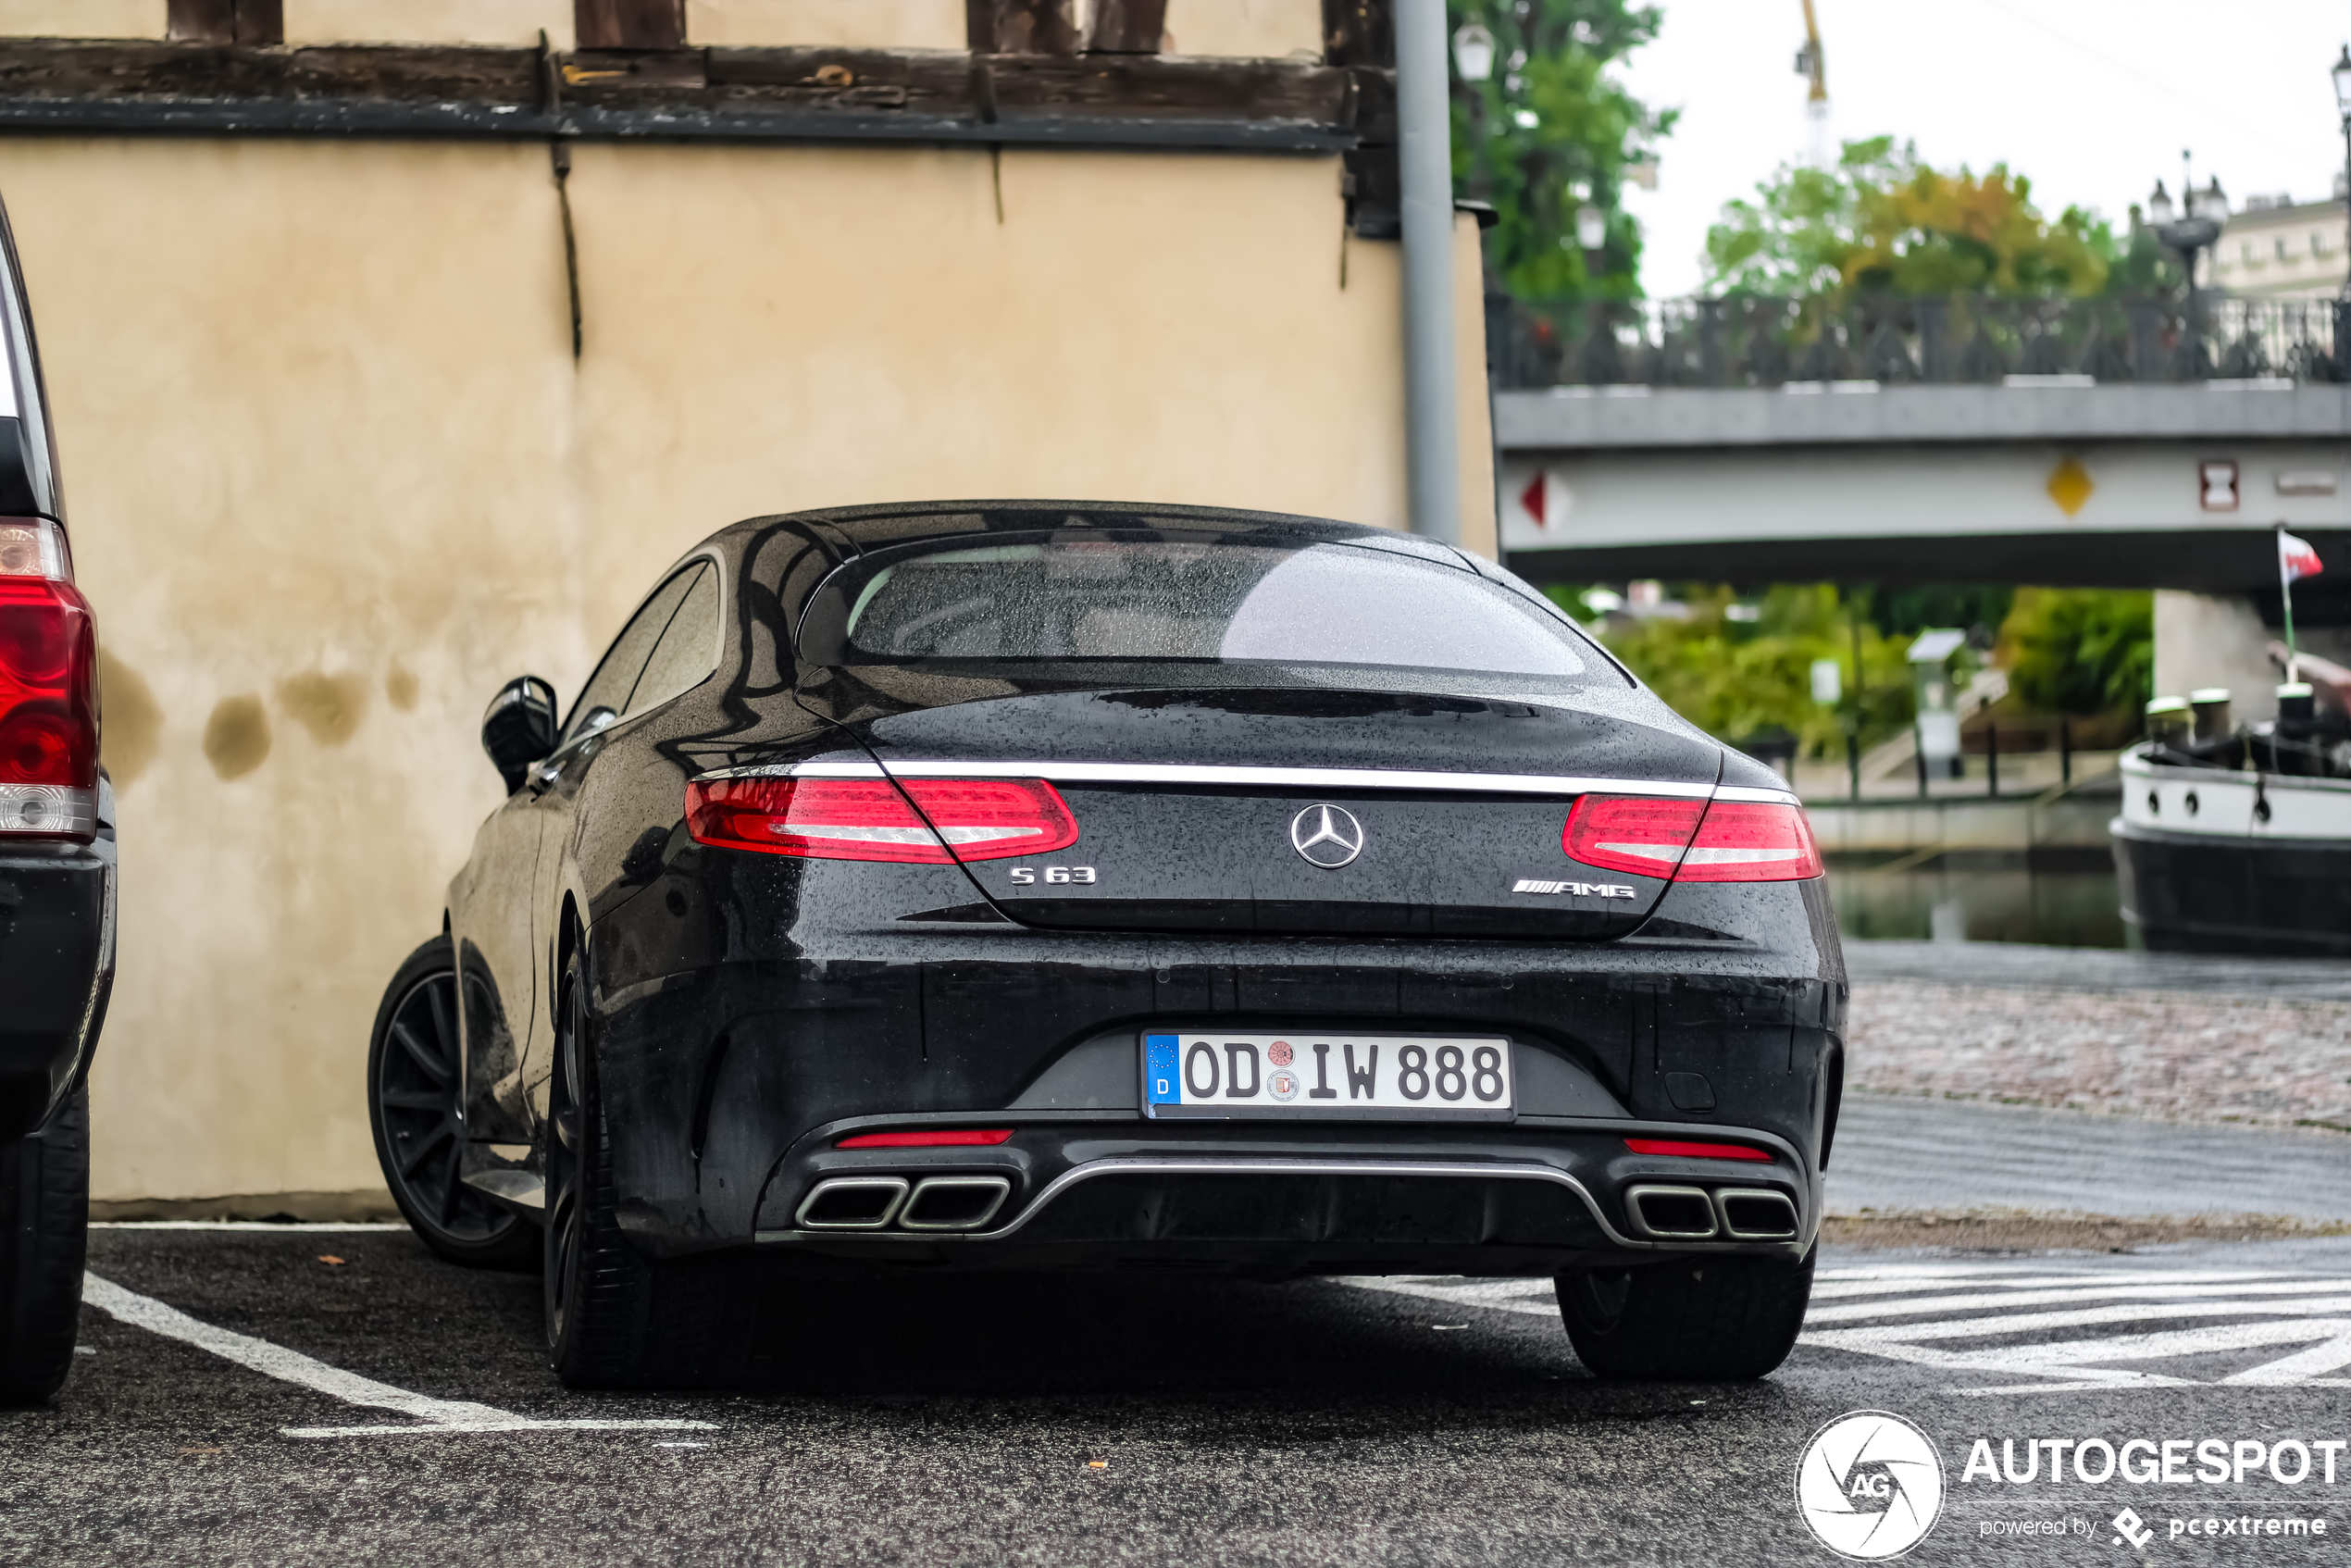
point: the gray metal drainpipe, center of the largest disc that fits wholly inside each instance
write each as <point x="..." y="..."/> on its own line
<point x="1432" y="436"/>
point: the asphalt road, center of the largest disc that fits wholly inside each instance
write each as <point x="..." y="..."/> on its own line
<point x="1147" y="1421"/>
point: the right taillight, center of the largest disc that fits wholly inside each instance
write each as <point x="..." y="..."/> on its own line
<point x="870" y="819"/>
<point x="48" y="690"/>
<point x="1692" y="840"/>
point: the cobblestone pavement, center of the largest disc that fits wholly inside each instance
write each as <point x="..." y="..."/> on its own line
<point x="1920" y="1157"/>
<point x="2117" y="1033"/>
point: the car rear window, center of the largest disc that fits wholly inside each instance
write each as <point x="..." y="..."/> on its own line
<point x="1089" y="597"/>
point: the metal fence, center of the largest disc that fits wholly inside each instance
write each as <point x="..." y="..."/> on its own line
<point x="1745" y="340"/>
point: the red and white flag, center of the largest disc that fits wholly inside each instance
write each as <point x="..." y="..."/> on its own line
<point x="2297" y="560"/>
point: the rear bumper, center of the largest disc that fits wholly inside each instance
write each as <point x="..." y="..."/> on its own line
<point x="730" y="1084"/>
<point x="56" y="969"/>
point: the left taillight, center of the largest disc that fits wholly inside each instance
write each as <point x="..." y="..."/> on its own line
<point x="870" y="819"/>
<point x="48" y="688"/>
<point x="1693" y="842"/>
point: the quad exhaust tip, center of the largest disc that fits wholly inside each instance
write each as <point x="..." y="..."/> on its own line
<point x="852" y="1203"/>
<point x="959" y="1202"/>
<point x="954" y="1202"/>
<point x="1727" y="1213"/>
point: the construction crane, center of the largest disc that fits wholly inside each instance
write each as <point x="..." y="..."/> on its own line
<point x="1809" y="62"/>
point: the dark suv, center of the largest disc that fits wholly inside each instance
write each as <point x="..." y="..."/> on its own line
<point x="56" y="879"/>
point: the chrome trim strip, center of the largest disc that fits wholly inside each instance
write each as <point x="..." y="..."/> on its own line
<point x="1252" y="777"/>
<point x="1225" y="1165"/>
<point x="1760" y="797"/>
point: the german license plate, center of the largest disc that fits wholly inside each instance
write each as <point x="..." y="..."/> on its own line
<point x="1305" y="1075"/>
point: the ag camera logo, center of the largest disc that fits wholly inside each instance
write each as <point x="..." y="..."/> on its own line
<point x="1869" y="1485"/>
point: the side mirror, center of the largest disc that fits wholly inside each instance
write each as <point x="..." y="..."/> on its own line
<point x="518" y="728"/>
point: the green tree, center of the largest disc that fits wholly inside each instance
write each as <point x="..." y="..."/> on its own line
<point x="2079" y="650"/>
<point x="1550" y="132"/>
<point x="1732" y="678"/>
<point x="1880" y="222"/>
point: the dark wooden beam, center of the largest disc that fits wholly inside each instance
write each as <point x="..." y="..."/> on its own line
<point x="1126" y="27"/>
<point x="1359" y="33"/>
<point x="1021" y="27"/>
<point x="629" y="24"/>
<point x="255" y="23"/>
<point x="686" y="94"/>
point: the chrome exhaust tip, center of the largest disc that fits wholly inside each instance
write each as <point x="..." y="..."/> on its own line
<point x="1751" y="1213"/>
<point x="1671" y="1213"/>
<point x="954" y="1202"/>
<point x="851" y="1204"/>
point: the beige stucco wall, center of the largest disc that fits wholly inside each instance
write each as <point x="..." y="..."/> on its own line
<point x="509" y="22"/>
<point x="1267" y="29"/>
<point x="81" y="18"/>
<point x="334" y="475"/>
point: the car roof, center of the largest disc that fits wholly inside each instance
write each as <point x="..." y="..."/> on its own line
<point x="887" y="524"/>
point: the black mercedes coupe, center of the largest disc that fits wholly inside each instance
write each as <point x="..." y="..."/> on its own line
<point x="1076" y="886"/>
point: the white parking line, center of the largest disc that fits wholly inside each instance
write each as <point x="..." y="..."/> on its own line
<point x="439" y="1416"/>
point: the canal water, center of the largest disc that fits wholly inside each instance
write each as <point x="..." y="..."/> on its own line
<point x="2061" y="899"/>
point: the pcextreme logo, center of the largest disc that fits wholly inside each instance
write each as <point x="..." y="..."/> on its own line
<point x="1869" y="1485"/>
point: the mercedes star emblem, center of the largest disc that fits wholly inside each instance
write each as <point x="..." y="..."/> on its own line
<point x="1326" y="836"/>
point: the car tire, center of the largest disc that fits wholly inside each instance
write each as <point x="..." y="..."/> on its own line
<point x="44" y="1237"/>
<point x="616" y="1317"/>
<point x="1695" y="1320"/>
<point x="415" y="1101"/>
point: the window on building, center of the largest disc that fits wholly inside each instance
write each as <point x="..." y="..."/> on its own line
<point x="2282" y="254"/>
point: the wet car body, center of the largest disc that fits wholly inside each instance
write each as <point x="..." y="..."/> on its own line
<point x="768" y="1027"/>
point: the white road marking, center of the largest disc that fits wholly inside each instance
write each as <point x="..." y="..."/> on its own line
<point x="1962" y="1302"/>
<point x="440" y="1416"/>
<point x="1533" y="1297"/>
<point x="2017" y="1320"/>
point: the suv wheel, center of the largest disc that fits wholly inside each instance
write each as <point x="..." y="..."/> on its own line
<point x="1695" y="1320"/>
<point x="416" y="1099"/>
<point x="44" y="1212"/>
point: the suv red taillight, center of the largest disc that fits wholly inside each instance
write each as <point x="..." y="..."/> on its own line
<point x="48" y="690"/>
<point x="1691" y="841"/>
<point x="869" y="819"/>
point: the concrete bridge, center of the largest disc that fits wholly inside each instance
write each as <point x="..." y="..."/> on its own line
<point x="2120" y="459"/>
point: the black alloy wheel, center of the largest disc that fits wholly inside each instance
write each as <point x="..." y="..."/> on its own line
<point x="415" y="1091"/>
<point x="1692" y="1320"/>
<point x="616" y="1317"/>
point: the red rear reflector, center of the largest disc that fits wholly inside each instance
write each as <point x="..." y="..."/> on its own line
<point x="1692" y="841"/>
<point x="869" y="818"/>
<point x="945" y="1138"/>
<point x="1695" y="1150"/>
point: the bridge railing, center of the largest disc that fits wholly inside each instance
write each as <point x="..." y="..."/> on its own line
<point x="1756" y="341"/>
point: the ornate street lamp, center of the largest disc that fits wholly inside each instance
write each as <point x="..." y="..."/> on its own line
<point x="1474" y="51"/>
<point x="1473" y="58"/>
<point x="1591" y="233"/>
<point x="2341" y="74"/>
<point x="2198" y="229"/>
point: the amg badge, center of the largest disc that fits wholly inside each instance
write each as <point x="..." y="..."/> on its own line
<point x="1581" y="890"/>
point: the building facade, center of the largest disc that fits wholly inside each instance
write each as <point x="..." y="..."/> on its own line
<point x="2280" y="248"/>
<point x="394" y="351"/>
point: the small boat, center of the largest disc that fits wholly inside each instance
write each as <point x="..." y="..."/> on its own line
<point x="2236" y="838"/>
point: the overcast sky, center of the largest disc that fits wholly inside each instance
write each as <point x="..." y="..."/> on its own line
<point x="2092" y="99"/>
